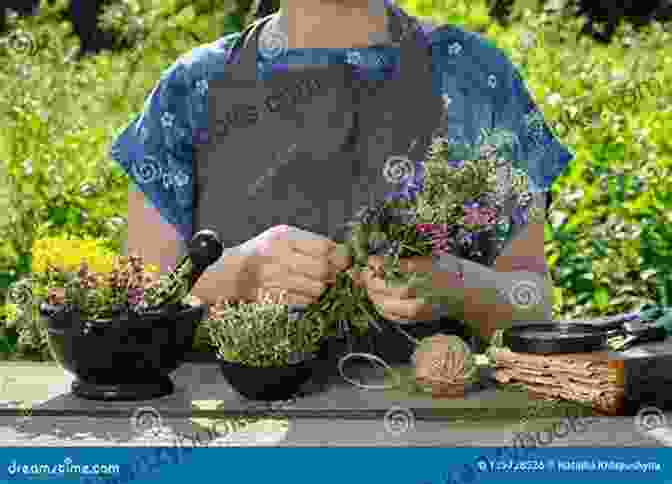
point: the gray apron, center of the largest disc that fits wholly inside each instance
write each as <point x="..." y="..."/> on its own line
<point x="308" y="146"/>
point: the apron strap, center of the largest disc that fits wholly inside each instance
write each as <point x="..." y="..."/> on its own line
<point x="401" y="26"/>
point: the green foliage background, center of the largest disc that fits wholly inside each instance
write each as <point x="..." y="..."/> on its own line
<point x="609" y="241"/>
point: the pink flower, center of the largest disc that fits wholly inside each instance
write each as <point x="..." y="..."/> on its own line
<point x="424" y="228"/>
<point x="479" y="216"/>
<point x="439" y="235"/>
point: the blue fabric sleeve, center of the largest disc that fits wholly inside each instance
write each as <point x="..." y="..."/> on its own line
<point x="156" y="150"/>
<point x="536" y="149"/>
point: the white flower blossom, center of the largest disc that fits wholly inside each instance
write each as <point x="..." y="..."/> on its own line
<point x="167" y="120"/>
<point x="202" y="87"/>
<point x="554" y="99"/>
<point x="180" y="178"/>
<point x="354" y="57"/>
<point x="455" y="48"/>
<point x="28" y="167"/>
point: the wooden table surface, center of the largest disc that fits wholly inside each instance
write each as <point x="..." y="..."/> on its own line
<point x="334" y="414"/>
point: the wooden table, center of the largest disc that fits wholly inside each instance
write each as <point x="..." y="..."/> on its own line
<point x="332" y="413"/>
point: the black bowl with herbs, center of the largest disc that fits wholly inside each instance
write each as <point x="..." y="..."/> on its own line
<point x="126" y="357"/>
<point x="266" y="349"/>
<point x="268" y="383"/>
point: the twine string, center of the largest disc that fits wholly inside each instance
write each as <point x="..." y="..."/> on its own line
<point x="373" y="358"/>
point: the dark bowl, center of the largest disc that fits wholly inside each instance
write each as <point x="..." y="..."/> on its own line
<point x="124" y="358"/>
<point x="267" y="384"/>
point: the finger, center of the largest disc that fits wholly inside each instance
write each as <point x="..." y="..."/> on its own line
<point x="308" y="242"/>
<point x="286" y="258"/>
<point x="286" y="296"/>
<point x="416" y="264"/>
<point x="277" y="276"/>
<point x="420" y="264"/>
<point x="357" y="278"/>
<point x="380" y="304"/>
<point x="339" y="258"/>
<point x="375" y="262"/>
<point x="378" y="285"/>
<point x="387" y="314"/>
<point x="405" y="309"/>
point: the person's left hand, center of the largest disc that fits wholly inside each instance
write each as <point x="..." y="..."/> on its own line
<point x="396" y="303"/>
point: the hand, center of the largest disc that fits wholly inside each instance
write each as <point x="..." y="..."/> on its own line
<point x="295" y="263"/>
<point x="396" y="303"/>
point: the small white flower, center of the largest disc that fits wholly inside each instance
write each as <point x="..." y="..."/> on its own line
<point x="617" y="76"/>
<point x="25" y="72"/>
<point x="167" y="120"/>
<point x="554" y="99"/>
<point x="28" y="167"/>
<point x="596" y="121"/>
<point x="354" y="57"/>
<point x="202" y="87"/>
<point x="180" y="178"/>
<point x="455" y="48"/>
<point x="527" y="40"/>
<point x="492" y="81"/>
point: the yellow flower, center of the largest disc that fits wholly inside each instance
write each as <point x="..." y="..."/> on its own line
<point x="68" y="254"/>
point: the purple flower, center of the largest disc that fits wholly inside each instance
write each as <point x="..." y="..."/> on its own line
<point x="414" y="185"/>
<point x="457" y="164"/>
<point x="467" y="238"/>
<point x="519" y="215"/>
<point x="200" y="136"/>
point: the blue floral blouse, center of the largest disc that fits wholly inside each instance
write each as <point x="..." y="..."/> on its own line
<point x="480" y="86"/>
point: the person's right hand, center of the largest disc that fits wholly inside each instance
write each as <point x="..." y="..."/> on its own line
<point x="294" y="263"/>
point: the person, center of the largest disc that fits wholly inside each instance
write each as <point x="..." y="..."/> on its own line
<point x="479" y="88"/>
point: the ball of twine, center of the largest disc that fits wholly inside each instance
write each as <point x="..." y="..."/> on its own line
<point x="443" y="364"/>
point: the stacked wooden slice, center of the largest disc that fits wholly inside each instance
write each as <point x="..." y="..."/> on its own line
<point x="584" y="377"/>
